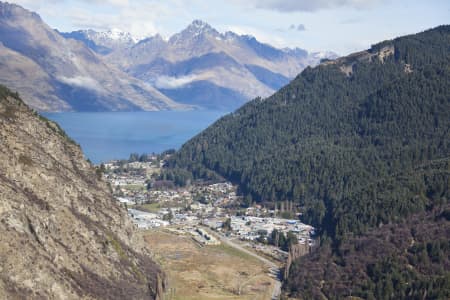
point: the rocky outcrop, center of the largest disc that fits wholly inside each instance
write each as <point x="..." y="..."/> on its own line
<point x="62" y="235"/>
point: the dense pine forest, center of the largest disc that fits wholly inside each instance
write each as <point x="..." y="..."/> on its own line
<point x="360" y="144"/>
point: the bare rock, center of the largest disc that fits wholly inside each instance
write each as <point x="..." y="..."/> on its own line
<point x="62" y="235"/>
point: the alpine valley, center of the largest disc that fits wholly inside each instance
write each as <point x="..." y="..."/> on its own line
<point x="329" y="179"/>
<point x="360" y="146"/>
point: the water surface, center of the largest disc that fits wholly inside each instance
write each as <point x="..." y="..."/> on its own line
<point x="114" y="135"/>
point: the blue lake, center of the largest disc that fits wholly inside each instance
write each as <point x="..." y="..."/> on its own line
<point x="114" y="135"/>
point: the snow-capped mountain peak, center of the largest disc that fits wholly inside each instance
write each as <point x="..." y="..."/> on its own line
<point x="116" y="34"/>
<point x="104" y="41"/>
<point x="198" y="27"/>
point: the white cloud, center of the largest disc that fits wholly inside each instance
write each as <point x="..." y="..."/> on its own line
<point x="333" y="25"/>
<point x="35" y="4"/>
<point x="83" y="82"/>
<point x="260" y="35"/>
<point x="308" y="5"/>
<point x="137" y="22"/>
<point x="139" y="17"/>
<point x="110" y="2"/>
<point x="167" y="82"/>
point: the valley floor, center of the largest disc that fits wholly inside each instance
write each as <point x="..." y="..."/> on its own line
<point x="209" y="272"/>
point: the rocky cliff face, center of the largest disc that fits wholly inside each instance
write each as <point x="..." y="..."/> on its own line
<point x="62" y="235"/>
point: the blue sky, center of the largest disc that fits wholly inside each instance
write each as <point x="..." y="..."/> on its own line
<point x="343" y="26"/>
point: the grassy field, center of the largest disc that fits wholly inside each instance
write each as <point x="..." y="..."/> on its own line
<point x="151" y="207"/>
<point x="206" y="273"/>
<point x="135" y="187"/>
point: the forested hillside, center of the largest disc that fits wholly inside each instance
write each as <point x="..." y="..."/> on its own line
<point x="356" y="143"/>
<point x="404" y="260"/>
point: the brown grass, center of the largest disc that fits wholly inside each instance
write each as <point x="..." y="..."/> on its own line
<point x="206" y="273"/>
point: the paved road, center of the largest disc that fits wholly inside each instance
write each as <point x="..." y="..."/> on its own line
<point x="273" y="268"/>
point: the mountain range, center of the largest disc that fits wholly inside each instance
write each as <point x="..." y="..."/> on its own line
<point x="200" y="66"/>
<point x="113" y="71"/>
<point x="59" y="74"/>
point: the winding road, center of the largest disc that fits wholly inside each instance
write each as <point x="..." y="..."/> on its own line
<point x="274" y="271"/>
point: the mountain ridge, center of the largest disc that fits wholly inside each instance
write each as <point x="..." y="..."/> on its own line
<point x="54" y="73"/>
<point x="231" y="75"/>
<point x="74" y="239"/>
<point x="87" y="70"/>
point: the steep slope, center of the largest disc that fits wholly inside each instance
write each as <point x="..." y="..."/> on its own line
<point x="355" y="143"/>
<point x="62" y="235"/>
<point x="405" y="260"/>
<point x="230" y="65"/>
<point x="54" y="73"/>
